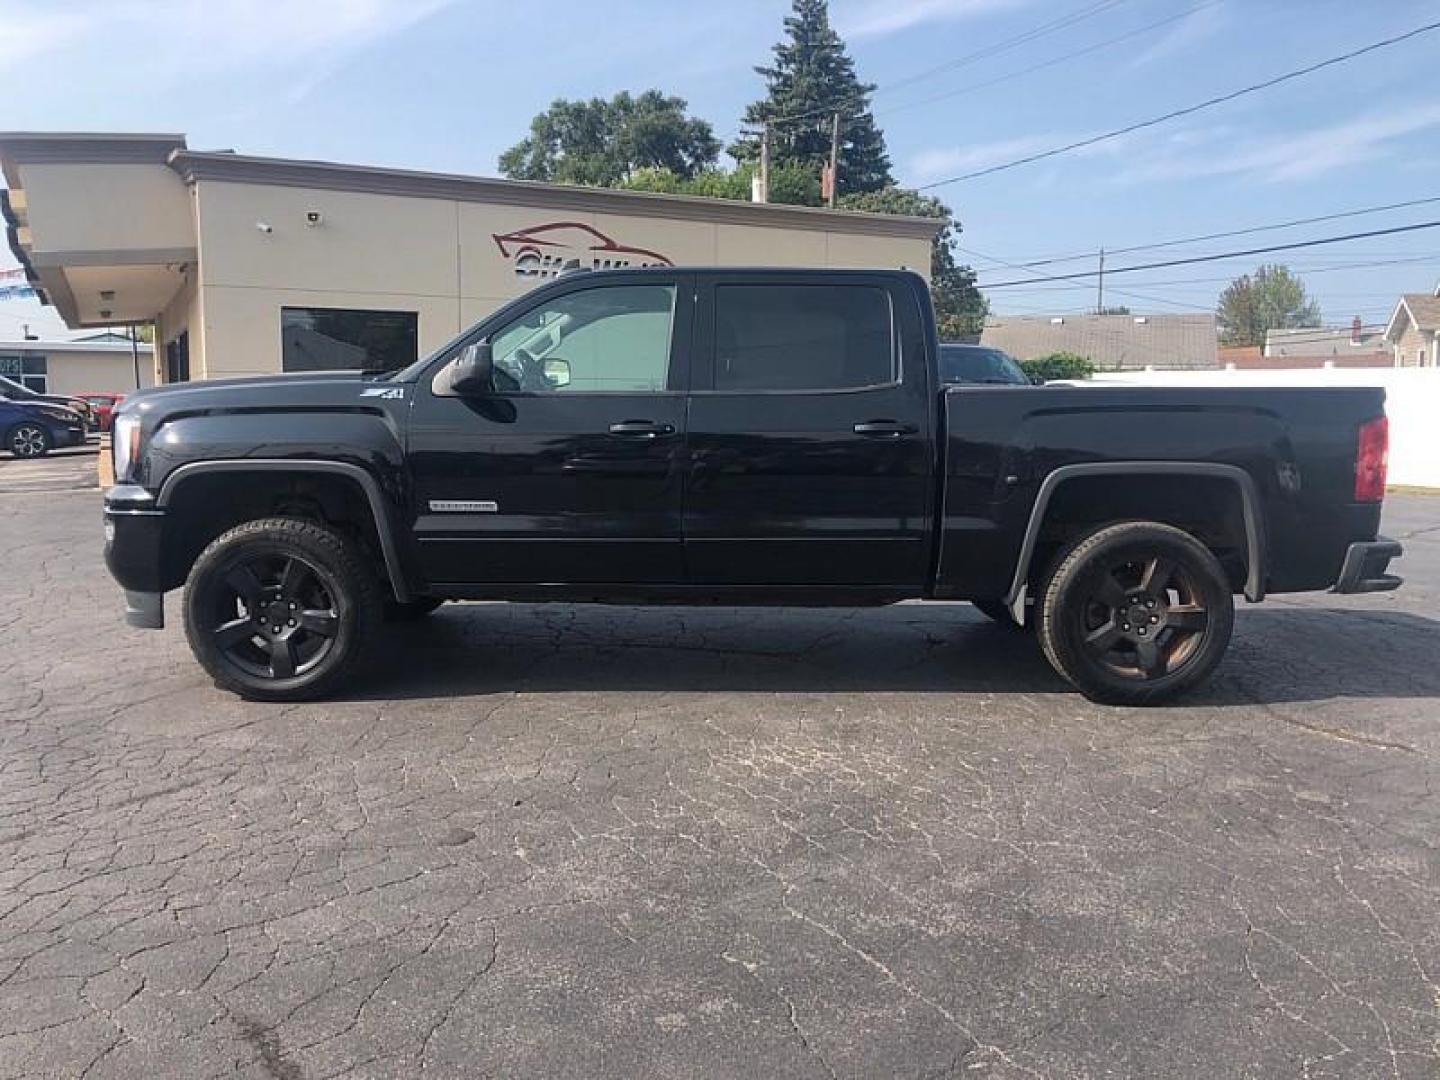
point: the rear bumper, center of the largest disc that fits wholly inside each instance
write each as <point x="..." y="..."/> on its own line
<point x="1365" y="565"/>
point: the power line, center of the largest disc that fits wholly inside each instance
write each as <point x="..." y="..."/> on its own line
<point x="1227" y="255"/>
<point x="1188" y="110"/>
<point x="960" y="61"/>
<point x="1040" y="287"/>
<point x="1064" y="57"/>
<point x="1362" y="211"/>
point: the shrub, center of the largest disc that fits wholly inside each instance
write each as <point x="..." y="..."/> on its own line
<point x="1060" y="365"/>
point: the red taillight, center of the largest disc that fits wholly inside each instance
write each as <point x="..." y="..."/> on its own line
<point x="1372" y="451"/>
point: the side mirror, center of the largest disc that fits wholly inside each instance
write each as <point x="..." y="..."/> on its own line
<point x="557" y="372"/>
<point x="474" y="370"/>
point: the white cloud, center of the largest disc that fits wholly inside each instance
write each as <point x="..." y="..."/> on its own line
<point x="31" y="30"/>
<point x="1189" y="32"/>
<point x="939" y="163"/>
<point x="181" y="36"/>
<point x="876" y="18"/>
<point x="1359" y="142"/>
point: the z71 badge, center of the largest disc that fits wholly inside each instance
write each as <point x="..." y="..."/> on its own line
<point x="389" y="393"/>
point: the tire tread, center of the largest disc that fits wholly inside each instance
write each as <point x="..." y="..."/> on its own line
<point x="351" y="566"/>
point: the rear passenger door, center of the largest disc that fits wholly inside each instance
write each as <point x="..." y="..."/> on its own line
<point x="809" y="433"/>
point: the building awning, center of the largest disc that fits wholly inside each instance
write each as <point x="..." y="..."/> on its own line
<point x="99" y="223"/>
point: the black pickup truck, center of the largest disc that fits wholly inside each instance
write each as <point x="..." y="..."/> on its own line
<point x="718" y="436"/>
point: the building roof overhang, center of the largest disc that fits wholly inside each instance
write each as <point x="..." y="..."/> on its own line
<point x="244" y="169"/>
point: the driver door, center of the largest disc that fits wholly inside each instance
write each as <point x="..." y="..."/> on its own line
<point x="571" y="470"/>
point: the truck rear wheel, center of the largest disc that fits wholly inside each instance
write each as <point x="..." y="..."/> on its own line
<point x="280" y="609"/>
<point x="1136" y="613"/>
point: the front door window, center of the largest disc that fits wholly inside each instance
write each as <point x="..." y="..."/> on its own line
<point x="612" y="339"/>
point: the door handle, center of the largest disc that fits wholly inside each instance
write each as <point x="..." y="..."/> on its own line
<point x="884" y="429"/>
<point x="641" y="429"/>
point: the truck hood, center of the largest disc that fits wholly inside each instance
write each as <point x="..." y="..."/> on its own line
<point x="296" y="390"/>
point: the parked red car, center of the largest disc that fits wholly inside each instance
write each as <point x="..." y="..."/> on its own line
<point x="104" y="405"/>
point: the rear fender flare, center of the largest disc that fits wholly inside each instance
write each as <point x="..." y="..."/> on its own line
<point x="1243" y="481"/>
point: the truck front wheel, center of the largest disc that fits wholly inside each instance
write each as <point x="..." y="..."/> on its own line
<point x="1136" y="613"/>
<point x="281" y="609"/>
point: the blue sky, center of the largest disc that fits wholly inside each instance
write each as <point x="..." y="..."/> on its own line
<point x="449" y="84"/>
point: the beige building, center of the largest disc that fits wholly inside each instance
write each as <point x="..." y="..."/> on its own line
<point x="1112" y="342"/>
<point x="251" y="265"/>
<point x="102" y="364"/>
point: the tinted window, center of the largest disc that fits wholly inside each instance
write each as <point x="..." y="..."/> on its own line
<point x="614" y="338"/>
<point x="321" y="339"/>
<point x="802" y="337"/>
<point x="977" y="364"/>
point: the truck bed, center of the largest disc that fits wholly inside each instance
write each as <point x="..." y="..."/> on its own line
<point x="1296" y="446"/>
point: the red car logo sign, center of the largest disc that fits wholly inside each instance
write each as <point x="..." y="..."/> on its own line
<point x="544" y="250"/>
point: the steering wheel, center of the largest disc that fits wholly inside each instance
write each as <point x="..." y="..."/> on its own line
<point x="532" y="372"/>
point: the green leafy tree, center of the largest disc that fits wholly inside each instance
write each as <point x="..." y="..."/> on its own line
<point x="602" y="143"/>
<point x="811" y="79"/>
<point x="960" y="308"/>
<point x="1119" y="310"/>
<point x="1272" y="298"/>
<point x="1060" y="365"/>
<point x="789" y="183"/>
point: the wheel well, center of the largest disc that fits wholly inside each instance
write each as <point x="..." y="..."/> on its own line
<point x="1210" y="508"/>
<point x="206" y="505"/>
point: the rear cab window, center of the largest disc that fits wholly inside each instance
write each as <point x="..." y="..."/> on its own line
<point x="802" y="337"/>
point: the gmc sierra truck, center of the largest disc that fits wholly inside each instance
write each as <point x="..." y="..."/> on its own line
<point x="732" y="436"/>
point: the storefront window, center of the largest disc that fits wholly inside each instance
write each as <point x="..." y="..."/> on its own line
<point x="321" y="339"/>
<point x="28" y="369"/>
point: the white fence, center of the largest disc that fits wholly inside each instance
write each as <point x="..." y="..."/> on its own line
<point x="1412" y="401"/>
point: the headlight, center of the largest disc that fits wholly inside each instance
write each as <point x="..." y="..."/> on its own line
<point x="60" y="413"/>
<point x="125" y="446"/>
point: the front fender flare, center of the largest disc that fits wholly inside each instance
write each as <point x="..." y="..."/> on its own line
<point x="379" y="507"/>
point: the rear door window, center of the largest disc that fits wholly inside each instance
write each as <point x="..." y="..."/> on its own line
<point x="803" y="337"/>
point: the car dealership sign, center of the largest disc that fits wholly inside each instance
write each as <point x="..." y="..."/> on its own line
<point x="542" y="251"/>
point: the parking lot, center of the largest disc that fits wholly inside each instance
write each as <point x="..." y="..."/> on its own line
<point x="566" y="841"/>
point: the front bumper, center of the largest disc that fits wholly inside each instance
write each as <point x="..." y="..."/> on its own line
<point x="68" y="436"/>
<point x="134" y="539"/>
<point x="1365" y="565"/>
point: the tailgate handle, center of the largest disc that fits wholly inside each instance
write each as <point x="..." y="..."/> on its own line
<point x="641" y="429"/>
<point x="884" y="429"/>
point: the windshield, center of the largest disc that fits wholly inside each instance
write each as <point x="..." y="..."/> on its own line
<point x="14" y="390"/>
<point x="978" y="364"/>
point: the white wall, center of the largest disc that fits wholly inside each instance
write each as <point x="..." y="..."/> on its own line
<point x="1412" y="401"/>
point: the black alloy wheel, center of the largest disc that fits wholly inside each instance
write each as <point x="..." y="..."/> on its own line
<point x="1143" y="619"/>
<point x="1137" y="613"/>
<point x="274" y="616"/>
<point x="281" y="609"/>
<point x="29" y="440"/>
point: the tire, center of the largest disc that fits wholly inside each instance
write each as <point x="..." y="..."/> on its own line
<point x="1136" y="613"/>
<point x="282" y="610"/>
<point x="29" y="440"/>
<point x="411" y="610"/>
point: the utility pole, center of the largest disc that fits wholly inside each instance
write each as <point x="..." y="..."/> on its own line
<point x="834" y="157"/>
<point x="135" y="355"/>
<point x="764" y="162"/>
<point x="1100" y="293"/>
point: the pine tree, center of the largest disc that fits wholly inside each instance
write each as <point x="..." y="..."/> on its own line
<point x="811" y="79"/>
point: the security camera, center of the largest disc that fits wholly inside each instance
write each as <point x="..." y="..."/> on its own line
<point x="265" y="227"/>
<point x="313" y="218"/>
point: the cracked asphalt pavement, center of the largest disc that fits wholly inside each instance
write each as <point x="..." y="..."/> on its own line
<point x="587" y="842"/>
